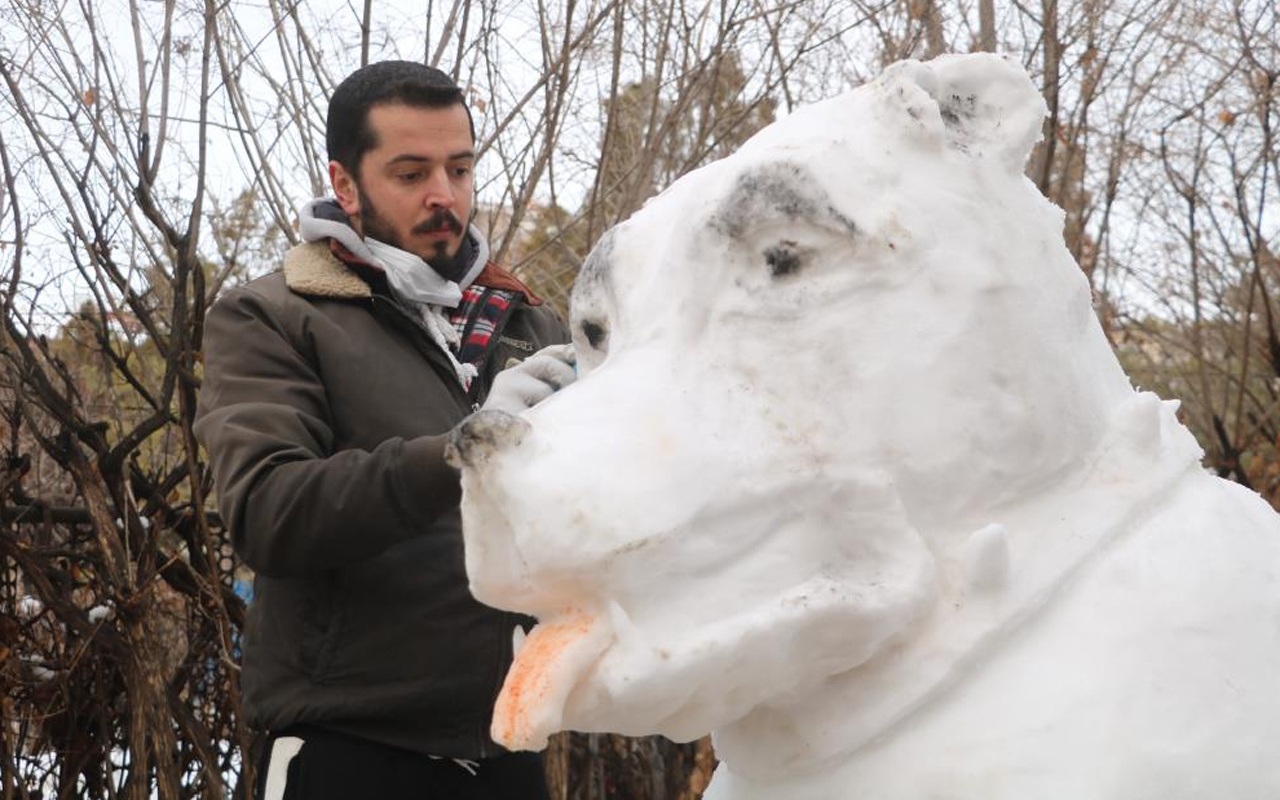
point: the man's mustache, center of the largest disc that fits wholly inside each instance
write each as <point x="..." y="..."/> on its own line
<point x="441" y="220"/>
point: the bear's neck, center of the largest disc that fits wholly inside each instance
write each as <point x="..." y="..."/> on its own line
<point x="1052" y="539"/>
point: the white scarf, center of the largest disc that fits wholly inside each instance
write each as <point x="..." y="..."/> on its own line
<point x="412" y="279"/>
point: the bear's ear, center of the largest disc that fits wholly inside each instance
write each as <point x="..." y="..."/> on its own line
<point x="980" y="104"/>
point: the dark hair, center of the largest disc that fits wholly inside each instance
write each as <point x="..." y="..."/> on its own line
<point x="347" y="135"/>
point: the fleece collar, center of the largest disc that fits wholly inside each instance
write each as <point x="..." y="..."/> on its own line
<point x="313" y="269"/>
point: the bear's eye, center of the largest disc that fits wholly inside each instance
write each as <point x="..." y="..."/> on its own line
<point x="596" y="332"/>
<point x="783" y="258"/>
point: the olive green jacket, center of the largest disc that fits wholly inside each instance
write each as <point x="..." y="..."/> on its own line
<point x="324" y="410"/>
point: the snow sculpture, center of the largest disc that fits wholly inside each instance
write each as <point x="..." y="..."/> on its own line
<point x="853" y="478"/>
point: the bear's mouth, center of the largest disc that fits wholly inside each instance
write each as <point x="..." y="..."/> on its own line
<point x="554" y="657"/>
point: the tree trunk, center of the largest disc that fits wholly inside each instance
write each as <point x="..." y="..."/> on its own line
<point x="987" y="26"/>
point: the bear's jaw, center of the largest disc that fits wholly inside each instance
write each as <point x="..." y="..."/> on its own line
<point x="1047" y="542"/>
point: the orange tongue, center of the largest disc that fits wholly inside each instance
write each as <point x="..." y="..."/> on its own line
<point x="556" y="652"/>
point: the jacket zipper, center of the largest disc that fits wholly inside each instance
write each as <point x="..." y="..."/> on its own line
<point x="508" y="621"/>
<point x="428" y="347"/>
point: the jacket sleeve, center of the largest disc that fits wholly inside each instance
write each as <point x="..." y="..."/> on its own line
<point x="292" y="504"/>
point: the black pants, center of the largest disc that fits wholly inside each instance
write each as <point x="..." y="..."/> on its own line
<point x="339" y="767"/>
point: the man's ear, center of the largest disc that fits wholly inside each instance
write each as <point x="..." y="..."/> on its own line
<point x="345" y="189"/>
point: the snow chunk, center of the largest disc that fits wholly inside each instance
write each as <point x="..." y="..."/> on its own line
<point x="812" y="375"/>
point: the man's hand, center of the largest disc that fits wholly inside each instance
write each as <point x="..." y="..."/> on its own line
<point x="533" y="380"/>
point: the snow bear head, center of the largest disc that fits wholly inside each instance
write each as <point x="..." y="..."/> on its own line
<point x="809" y="372"/>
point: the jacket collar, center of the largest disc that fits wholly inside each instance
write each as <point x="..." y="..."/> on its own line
<point x="313" y="268"/>
<point x="323" y="265"/>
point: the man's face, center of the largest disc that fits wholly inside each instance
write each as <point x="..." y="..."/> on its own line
<point x="415" y="186"/>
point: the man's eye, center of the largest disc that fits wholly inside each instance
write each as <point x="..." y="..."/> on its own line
<point x="408" y="177"/>
<point x="461" y="172"/>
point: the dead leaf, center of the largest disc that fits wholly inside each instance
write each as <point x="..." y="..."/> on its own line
<point x="90" y="96"/>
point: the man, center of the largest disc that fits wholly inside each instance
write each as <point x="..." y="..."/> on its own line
<point x="329" y="389"/>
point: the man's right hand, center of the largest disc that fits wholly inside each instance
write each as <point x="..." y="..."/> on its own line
<point x="533" y="380"/>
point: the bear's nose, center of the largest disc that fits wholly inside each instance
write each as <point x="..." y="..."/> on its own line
<point x="482" y="434"/>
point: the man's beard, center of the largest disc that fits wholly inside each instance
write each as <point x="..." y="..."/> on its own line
<point x="450" y="266"/>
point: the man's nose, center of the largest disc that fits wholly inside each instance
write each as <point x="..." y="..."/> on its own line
<point x="439" y="190"/>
